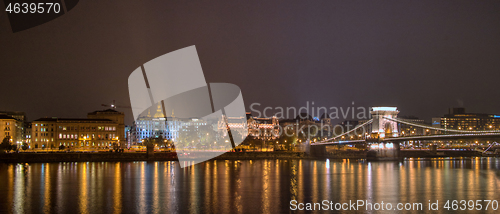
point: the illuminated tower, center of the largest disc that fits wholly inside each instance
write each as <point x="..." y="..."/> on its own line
<point x="381" y="126"/>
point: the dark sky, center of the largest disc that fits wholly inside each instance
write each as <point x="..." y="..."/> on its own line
<point x="421" y="56"/>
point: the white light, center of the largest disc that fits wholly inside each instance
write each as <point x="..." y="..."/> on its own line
<point x="384" y="108"/>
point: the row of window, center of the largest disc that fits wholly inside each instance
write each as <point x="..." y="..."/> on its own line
<point x="87" y="136"/>
<point x="93" y="128"/>
<point x="87" y="144"/>
<point x="70" y="128"/>
<point x="44" y="134"/>
<point x="108" y="144"/>
<point x="489" y="119"/>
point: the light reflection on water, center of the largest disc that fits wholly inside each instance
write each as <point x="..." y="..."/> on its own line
<point x="258" y="186"/>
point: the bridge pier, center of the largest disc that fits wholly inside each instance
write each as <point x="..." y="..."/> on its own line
<point x="317" y="151"/>
<point x="387" y="151"/>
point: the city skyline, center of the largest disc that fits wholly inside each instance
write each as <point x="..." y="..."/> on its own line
<point x="338" y="115"/>
<point x="375" y="54"/>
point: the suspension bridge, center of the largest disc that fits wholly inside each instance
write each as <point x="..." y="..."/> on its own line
<point x="384" y="138"/>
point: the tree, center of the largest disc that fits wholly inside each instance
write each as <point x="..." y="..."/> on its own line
<point x="252" y="142"/>
<point x="188" y="136"/>
<point x="5" y="145"/>
<point x="25" y="146"/>
<point x="287" y="141"/>
<point x="207" y="134"/>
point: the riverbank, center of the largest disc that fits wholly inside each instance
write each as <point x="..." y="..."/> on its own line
<point x="172" y="156"/>
<point x="134" y="156"/>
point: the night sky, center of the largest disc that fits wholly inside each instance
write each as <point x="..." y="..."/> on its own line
<point x="421" y="56"/>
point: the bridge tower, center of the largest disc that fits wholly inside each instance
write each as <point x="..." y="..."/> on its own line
<point x="381" y="126"/>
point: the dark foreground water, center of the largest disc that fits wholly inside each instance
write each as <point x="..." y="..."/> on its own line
<point x="261" y="186"/>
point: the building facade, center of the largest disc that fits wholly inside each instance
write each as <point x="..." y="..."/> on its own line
<point x="20" y="129"/>
<point x="27" y="136"/>
<point x="263" y="128"/>
<point x="74" y="133"/>
<point x="9" y="127"/>
<point x="113" y="115"/>
<point x="155" y="125"/>
<point x="409" y="130"/>
<point x="457" y="118"/>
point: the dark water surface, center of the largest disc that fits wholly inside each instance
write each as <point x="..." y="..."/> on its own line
<point x="259" y="186"/>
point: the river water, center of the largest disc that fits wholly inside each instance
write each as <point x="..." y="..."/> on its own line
<point x="258" y="186"/>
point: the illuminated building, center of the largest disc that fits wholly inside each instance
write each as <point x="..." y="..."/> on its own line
<point x="409" y="130"/>
<point x="263" y="128"/>
<point x="28" y="130"/>
<point x="155" y="126"/>
<point x="458" y="119"/>
<point x="113" y="115"/>
<point x="20" y="130"/>
<point x="74" y="133"/>
<point x="303" y="122"/>
<point x="235" y="124"/>
<point x="9" y="127"/>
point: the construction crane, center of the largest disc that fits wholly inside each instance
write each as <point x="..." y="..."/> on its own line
<point x="114" y="106"/>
